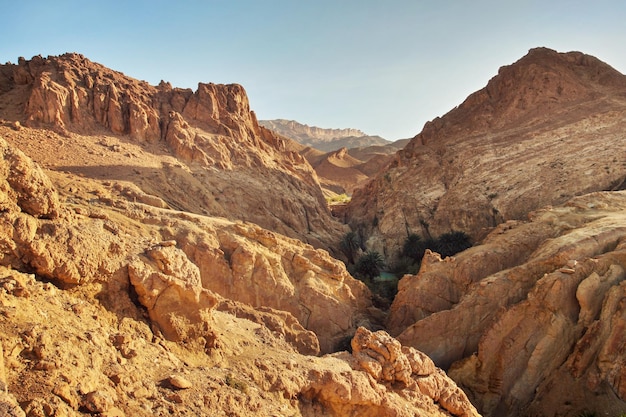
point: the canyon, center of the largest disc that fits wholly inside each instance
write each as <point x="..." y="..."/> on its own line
<point x="163" y="253"/>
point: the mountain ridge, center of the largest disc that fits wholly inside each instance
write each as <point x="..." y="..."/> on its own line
<point x="324" y="139"/>
<point x="135" y="279"/>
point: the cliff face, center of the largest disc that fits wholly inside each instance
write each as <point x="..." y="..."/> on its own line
<point x="224" y="156"/>
<point x="546" y="128"/>
<point x="529" y="321"/>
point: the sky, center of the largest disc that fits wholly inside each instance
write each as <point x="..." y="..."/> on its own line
<point x="385" y="67"/>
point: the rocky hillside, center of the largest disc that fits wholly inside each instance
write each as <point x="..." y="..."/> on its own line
<point x="199" y="151"/>
<point x="116" y="306"/>
<point x="545" y="129"/>
<point x="531" y="321"/>
<point x="326" y="140"/>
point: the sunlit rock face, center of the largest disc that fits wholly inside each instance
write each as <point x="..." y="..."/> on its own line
<point x="529" y="319"/>
<point x="543" y="130"/>
<point x="226" y="164"/>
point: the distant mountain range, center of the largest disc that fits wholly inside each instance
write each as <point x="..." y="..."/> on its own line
<point x="326" y="140"/>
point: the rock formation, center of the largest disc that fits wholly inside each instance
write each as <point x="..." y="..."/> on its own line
<point x="529" y="321"/>
<point x="126" y="314"/>
<point x="225" y="162"/>
<point x="543" y="130"/>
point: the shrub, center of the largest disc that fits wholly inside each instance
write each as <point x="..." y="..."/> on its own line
<point x="414" y="247"/>
<point x="452" y="243"/>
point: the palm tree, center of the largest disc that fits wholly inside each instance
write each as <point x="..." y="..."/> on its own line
<point x="369" y="265"/>
<point x="414" y="247"/>
<point x="451" y="243"/>
<point x="349" y="245"/>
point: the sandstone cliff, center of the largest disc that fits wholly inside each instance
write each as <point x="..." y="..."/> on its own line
<point x="529" y="322"/>
<point x="222" y="162"/>
<point x="114" y="305"/>
<point x="543" y="130"/>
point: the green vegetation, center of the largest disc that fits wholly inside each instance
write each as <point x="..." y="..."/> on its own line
<point x="368" y="268"/>
<point x="413" y="249"/>
<point x="338" y="199"/>
<point x="369" y="265"/>
<point x="452" y="243"/>
<point x="350" y="245"/>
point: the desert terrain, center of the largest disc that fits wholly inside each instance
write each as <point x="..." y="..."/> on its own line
<point x="165" y="254"/>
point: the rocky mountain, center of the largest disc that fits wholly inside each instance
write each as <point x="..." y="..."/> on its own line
<point x="135" y="280"/>
<point x="198" y="151"/>
<point x="163" y="254"/>
<point x="326" y="140"/>
<point x="543" y="130"/>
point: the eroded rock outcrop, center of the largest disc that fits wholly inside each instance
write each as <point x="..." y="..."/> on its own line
<point x="539" y="322"/>
<point x="387" y="361"/>
<point x="168" y="284"/>
<point x="182" y="265"/>
<point x="226" y="157"/>
<point x="543" y="130"/>
<point x="125" y="323"/>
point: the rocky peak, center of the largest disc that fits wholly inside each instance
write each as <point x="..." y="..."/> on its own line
<point x="542" y="81"/>
<point x="73" y="93"/>
<point x="543" y="130"/>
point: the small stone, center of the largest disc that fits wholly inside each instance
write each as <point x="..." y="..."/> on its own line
<point x="113" y="412"/>
<point x="96" y="402"/>
<point x="175" y="398"/>
<point x="179" y="382"/>
<point x="65" y="392"/>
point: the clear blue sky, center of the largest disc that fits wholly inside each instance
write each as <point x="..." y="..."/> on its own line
<point x="385" y="67"/>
